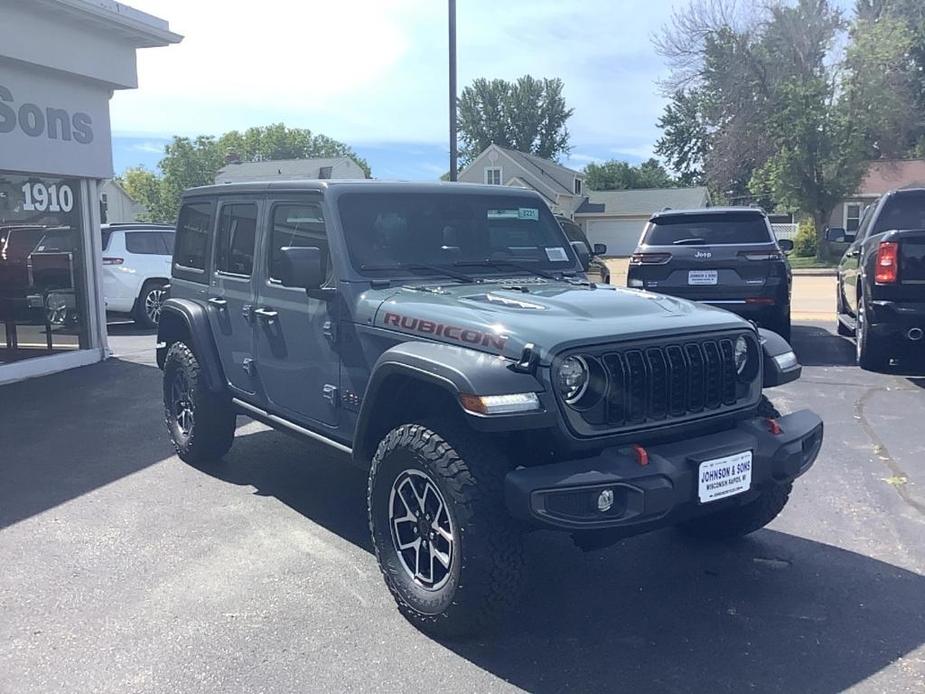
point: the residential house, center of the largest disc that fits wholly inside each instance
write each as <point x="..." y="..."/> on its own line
<point x="117" y="206"/>
<point x="617" y="217"/>
<point x="562" y="188"/>
<point x="881" y="177"/>
<point x="289" y="170"/>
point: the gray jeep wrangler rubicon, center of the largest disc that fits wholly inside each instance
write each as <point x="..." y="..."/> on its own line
<point x="444" y="337"/>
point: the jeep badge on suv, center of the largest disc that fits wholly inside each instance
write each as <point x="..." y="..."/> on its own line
<point x="444" y="338"/>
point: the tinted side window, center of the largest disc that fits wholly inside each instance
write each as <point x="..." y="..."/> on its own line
<point x="105" y="234"/>
<point x="192" y="240"/>
<point x="237" y="228"/>
<point x="296" y="224"/>
<point x="145" y="243"/>
<point x="167" y="237"/>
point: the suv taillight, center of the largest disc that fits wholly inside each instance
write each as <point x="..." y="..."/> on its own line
<point x="886" y="270"/>
<point x="650" y="258"/>
<point x="113" y="261"/>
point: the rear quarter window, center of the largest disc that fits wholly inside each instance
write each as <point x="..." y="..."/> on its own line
<point x="193" y="241"/>
<point x="707" y="230"/>
<point x="145" y="243"/>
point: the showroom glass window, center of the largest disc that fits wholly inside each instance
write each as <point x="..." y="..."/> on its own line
<point x="43" y="297"/>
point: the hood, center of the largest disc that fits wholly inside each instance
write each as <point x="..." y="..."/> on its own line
<point x="502" y="318"/>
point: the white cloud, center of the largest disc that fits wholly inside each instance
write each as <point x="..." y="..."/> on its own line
<point x="368" y="71"/>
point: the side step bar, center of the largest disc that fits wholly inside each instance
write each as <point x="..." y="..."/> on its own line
<point x="847" y="321"/>
<point x="279" y="422"/>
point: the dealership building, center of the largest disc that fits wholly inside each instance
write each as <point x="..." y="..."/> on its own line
<point x="60" y="61"/>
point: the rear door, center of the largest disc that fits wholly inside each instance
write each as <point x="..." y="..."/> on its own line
<point x="721" y="257"/>
<point x="232" y="289"/>
<point x="296" y="333"/>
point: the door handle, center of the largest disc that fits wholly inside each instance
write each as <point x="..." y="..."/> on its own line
<point x="267" y="314"/>
<point x="220" y="304"/>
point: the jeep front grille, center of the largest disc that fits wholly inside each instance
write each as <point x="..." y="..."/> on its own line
<point x="650" y="384"/>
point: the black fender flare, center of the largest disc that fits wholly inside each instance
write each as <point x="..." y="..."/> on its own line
<point x="456" y="370"/>
<point x="182" y="319"/>
<point x="773" y="345"/>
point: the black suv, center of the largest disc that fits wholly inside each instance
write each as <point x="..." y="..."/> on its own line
<point x="444" y="338"/>
<point x="590" y="255"/>
<point x="726" y="257"/>
<point x="881" y="279"/>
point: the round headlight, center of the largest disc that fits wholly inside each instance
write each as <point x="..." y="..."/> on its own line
<point x="573" y="378"/>
<point x="741" y="354"/>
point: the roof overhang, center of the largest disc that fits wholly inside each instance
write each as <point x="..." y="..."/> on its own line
<point x="140" y="29"/>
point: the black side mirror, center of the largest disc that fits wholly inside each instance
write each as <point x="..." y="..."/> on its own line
<point x="584" y="255"/>
<point x="599" y="249"/>
<point x="836" y="235"/>
<point x="302" y="267"/>
<point x="786" y="245"/>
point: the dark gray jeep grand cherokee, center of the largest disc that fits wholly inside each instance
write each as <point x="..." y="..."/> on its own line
<point x="443" y="337"/>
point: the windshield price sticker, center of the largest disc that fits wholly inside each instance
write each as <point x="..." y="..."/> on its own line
<point x="528" y="213"/>
<point x="556" y="254"/>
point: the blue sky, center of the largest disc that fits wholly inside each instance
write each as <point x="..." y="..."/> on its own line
<point x="372" y="73"/>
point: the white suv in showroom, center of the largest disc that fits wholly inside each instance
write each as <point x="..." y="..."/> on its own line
<point x="136" y="268"/>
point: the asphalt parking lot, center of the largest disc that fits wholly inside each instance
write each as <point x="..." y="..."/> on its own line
<point x="126" y="570"/>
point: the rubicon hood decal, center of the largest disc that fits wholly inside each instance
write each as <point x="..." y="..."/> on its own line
<point x="450" y="332"/>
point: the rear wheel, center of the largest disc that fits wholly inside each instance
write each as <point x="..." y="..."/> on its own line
<point x="780" y="322"/>
<point x="871" y="354"/>
<point x="201" y="423"/>
<point x="449" y="553"/>
<point x="147" y="311"/>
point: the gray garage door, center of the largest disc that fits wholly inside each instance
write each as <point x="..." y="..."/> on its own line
<point x="621" y="236"/>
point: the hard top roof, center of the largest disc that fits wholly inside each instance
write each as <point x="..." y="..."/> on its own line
<point x="360" y="186"/>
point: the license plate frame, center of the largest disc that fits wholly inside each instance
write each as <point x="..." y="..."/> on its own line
<point x="702" y="278"/>
<point x="721" y="478"/>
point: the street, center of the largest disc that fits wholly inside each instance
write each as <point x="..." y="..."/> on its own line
<point x="128" y="570"/>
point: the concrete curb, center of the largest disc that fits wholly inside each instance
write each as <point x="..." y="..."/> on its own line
<point x="816" y="272"/>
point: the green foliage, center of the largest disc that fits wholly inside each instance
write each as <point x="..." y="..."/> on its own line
<point x="804" y="243"/>
<point x="190" y="162"/>
<point x="620" y="175"/>
<point x="684" y="142"/>
<point x="527" y="115"/>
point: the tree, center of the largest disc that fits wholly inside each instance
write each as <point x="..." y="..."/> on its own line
<point x="620" y="175"/>
<point x="764" y="107"/>
<point x="190" y="162"/>
<point x="527" y="115"/>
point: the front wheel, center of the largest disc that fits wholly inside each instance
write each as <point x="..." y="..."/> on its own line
<point x="449" y="553"/>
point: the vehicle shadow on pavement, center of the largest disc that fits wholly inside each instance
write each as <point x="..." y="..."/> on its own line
<point x="64" y="435"/>
<point x="816" y="346"/>
<point x="771" y="612"/>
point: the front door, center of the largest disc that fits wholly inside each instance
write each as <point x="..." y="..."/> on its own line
<point x="295" y="334"/>
<point x="232" y="290"/>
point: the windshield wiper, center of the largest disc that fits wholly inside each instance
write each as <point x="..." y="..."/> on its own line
<point x="497" y="262"/>
<point x="693" y="241"/>
<point x="417" y="267"/>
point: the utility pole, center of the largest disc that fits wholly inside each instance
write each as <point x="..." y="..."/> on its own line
<point x="452" y="12"/>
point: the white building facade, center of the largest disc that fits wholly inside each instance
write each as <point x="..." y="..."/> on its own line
<point x="60" y="61"/>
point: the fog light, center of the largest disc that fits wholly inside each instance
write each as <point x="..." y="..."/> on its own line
<point x="605" y="500"/>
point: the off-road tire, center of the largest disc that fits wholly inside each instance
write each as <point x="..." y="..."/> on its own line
<point x="139" y="312"/>
<point x="870" y="352"/>
<point x="211" y="431"/>
<point x="737" y="521"/>
<point x="486" y="571"/>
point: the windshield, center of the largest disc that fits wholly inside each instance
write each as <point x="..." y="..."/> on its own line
<point x="707" y="230"/>
<point x="397" y="230"/>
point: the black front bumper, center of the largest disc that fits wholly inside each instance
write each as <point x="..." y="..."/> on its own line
<point x="665" y="491"/>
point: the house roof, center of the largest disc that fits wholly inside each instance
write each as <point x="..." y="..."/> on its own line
<point x="644" y="201"/>
<point x="884" y="176"/>
<point x="558" y="177"/>
<point x="279" y="169"/>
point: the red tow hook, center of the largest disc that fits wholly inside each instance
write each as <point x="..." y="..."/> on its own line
<point x="773" y="426"/>
<point x="642" y="455"/>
